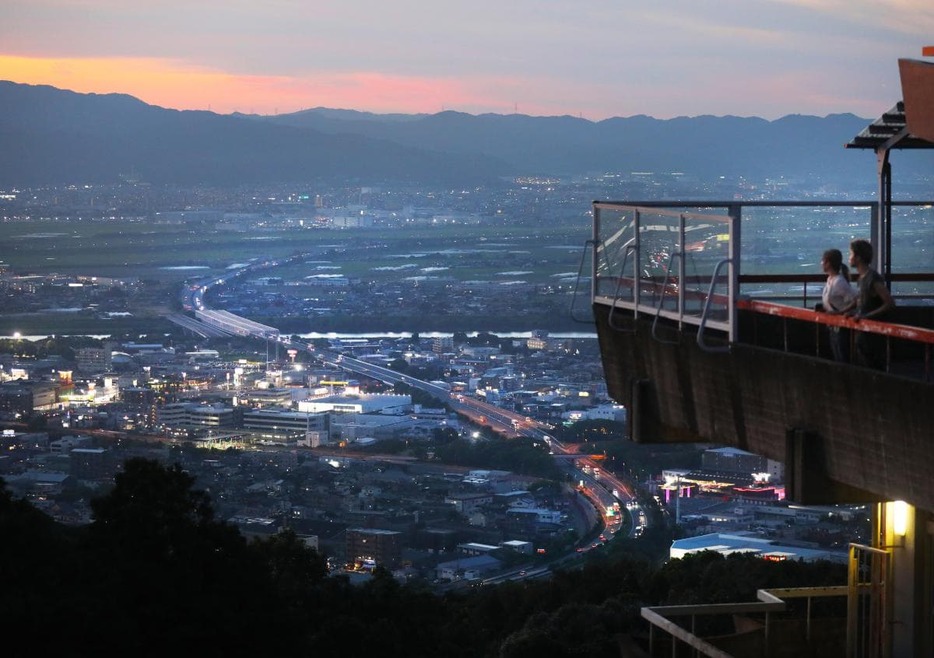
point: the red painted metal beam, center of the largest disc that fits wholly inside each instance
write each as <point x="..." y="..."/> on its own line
<point x="904" y="331"/>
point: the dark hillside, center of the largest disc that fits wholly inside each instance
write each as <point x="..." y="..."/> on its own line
<point x="51" y="136"/>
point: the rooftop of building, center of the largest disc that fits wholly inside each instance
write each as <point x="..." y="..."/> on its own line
<point x="728" y="544"/>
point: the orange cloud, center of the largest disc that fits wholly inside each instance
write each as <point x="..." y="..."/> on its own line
<point x="160" y="82"/>
<point x="173" y="84"/>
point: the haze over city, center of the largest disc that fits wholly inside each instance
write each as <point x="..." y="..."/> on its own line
<point x="767" y="58"/>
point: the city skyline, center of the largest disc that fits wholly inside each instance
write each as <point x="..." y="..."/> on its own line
<point x="770" y="58"/>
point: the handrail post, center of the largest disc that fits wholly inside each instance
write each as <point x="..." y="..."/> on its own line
<point x="682" y="238"/>
<point x="637" y="247"/>
<point x="634" y="247"/>
<point x="661" y="299"/>
<point x="703" y="321"/>
<point x="595" y="238"/>
<point x="768" y="621"/>
<point x="807" y="623"/>
<point x="735" y="213"/>
<point x="619" y="285"/>
<point x="580" y="271"/>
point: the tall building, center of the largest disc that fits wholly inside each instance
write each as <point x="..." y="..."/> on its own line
<point x="374" y="547"/>
<point x="692" y="348"/>
<point x="95" y="360"/>
<point x="442" y="344"/>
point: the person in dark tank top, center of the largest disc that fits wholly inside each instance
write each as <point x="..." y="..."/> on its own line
<point x="873" y="302"/>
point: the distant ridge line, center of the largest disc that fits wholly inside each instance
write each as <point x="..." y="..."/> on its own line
<point x="53" y="136"/>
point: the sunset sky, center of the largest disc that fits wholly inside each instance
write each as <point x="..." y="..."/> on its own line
<point x="594" y="59"/>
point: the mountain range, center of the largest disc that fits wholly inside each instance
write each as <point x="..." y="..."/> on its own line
<point x="52" y="136"/>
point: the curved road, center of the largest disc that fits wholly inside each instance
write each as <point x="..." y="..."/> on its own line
<point x="604" y="490"/>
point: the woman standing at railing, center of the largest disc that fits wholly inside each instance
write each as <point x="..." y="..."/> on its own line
<point x="837" y="297"/>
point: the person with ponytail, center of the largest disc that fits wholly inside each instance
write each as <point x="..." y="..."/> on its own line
<point x="838" y="297"/>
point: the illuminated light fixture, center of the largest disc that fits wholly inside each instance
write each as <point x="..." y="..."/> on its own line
<point x="900" y="518"/>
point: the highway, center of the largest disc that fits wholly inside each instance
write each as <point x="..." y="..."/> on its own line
<point x="610" y="496"/>
<point x="503" y="421"/>
<point x="605" y="491"/>
<point x="213" y="323"/>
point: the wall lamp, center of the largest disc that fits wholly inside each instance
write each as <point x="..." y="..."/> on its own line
<point x="900" y="511"/>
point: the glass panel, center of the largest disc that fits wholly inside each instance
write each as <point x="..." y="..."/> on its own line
<point x="626" y="257"/>
<point x="913" y="248"/>
<point x="660" y="242"/>
<point x="788" y="241"/>
<point x="707" y="244"/>
<point x="615" y="252"/>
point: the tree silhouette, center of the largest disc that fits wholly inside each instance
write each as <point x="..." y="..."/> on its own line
<point x="176" y="579"/>
<point x="36" y="556"/>
<point x="157" y="574"/>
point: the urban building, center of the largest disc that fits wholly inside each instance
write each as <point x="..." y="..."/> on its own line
<point x="297" y="425"/>
<point x="95" y="360"/>
<point x="266" y="397"/>
<point x="192" y="415"/>
<point x="468" y="568"/>
<point x="358" y="404"/>
<point x="354" y="427"/>
<point x="466" y="503"/>
<point x="138" y="396"/>
<point x="66" y="444"/>
<point x="22" y="396"/>
<point x="735" y="460"/>
<point x="91" y="463"/>
<point x="767" y="549"/>
<point x="374" y="547"/>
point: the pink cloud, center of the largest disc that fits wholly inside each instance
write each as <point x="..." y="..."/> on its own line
<point x="172" y="84"/>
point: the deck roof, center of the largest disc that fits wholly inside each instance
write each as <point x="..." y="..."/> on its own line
<point x="891" y="130"/>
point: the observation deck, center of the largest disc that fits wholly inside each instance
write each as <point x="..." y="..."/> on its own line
<point x="705" y="316"/>
<point x="704" y="312"/>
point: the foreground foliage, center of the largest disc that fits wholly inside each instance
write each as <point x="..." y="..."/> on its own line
<point x="157" y="574"/>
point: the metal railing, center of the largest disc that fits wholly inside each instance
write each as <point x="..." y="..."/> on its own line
<point x="867" y="620"/>
<point x="656" y="262"/>
<point x="867" y="632"/>
<point x="763" y="642"/>
<point x="777" y="238"/>
<point x="908" y="348"/>
<point x="698" y="263"/>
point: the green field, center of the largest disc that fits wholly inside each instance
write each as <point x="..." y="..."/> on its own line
<point x="164" y="255"/>
<point x="140" y="249"/>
